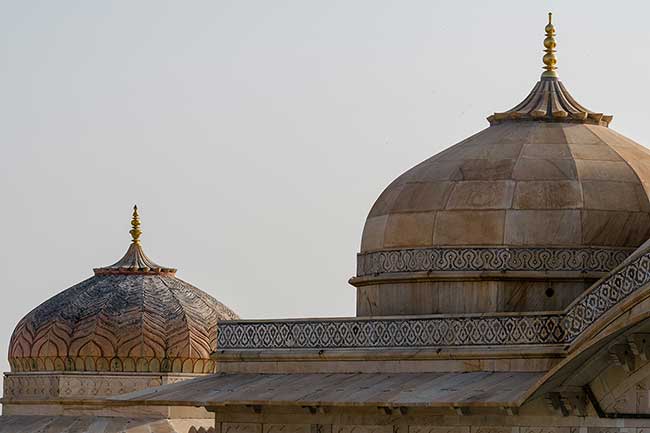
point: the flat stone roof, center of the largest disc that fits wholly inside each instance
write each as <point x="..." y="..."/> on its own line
<point x="477" y="389"/>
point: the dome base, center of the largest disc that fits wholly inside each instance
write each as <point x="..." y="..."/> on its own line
<point x="482" y="295"/>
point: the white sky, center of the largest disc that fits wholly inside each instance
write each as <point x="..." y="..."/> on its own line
<point x="255" y="136"/>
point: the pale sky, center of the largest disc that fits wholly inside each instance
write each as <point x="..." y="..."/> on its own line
<point x="255" y="136"/>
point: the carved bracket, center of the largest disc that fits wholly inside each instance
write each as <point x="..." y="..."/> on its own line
<point x="462" y="411"/>
<point x="568" y="403"/>
<point x="640" y="346"/>
<point x="621" y="354"/>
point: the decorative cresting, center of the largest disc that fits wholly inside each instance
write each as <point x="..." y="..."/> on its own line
<point x="495" y="259"/>
<point x="432" y="331"/>
<point x="135" y="260"/>
<point x="549" y="100"/>
<point x="133" y="316"/>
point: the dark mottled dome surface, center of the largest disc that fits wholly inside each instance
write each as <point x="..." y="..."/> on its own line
<point x="131" y="316"/>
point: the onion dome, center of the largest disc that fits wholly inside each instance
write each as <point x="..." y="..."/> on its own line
<point x="134" y="315"/>
<point x="547" y="190"/>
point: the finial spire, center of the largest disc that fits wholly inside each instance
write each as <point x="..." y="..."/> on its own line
<point x="549" y="48"/>
<point x="550" y="101"/>
<point x="135" y="260"/>
<point x="135" y="223"/>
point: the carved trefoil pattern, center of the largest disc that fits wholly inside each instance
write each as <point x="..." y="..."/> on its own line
<point x="496" y="259"/>
<point x="497" y="329"/>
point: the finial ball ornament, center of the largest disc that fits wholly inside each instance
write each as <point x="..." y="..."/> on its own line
<point x="549" y="43"/>
<point x="549" y="58"/>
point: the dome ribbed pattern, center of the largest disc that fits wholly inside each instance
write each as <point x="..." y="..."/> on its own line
<point x="525" y="184"/>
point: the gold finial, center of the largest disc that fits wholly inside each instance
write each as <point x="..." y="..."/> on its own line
<point x="135" y="223"/>
<point x="549" y="48"/>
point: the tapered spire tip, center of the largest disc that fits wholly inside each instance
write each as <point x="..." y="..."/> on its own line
<point x="549" y="59"/>
<point x="135" y="224"/>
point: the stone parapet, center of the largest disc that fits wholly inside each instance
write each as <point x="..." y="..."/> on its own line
<point x="502" y="329"/>
<point x="58" y="386"/>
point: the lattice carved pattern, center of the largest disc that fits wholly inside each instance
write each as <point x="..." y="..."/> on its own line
<point x="496" y="329"/>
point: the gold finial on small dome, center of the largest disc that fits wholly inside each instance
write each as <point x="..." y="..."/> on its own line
<point x="134" y="261"/>
<point x="135" y="223"/>
<point x="549" y="48"/>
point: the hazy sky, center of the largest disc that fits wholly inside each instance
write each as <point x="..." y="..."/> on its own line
<point x="255" y="136"/>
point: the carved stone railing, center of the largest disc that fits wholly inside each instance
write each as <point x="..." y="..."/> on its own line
<point x="605" y="294"/>
<point x="497" y="259"/>
<point x="430" y="331"/>
<point x="390" y="332"/>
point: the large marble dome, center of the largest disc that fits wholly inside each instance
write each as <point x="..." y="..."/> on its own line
<point x="132" y="316"/>
<point x="523" y="215"/>
<point x="520" y="183"/>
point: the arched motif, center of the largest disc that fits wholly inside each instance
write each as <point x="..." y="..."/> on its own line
<point x="120" y="322"/>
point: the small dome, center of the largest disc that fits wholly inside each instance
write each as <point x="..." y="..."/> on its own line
<point x="131" y="316"/>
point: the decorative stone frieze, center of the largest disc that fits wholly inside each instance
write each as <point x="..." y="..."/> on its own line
<point x="362" y="428"/>
<point x="115" y="364"/>
<point x="495" y="329"/>
<point x="286" y="428"/>
<point x="497" y="259"/>
<point x="437" y="429"/>
<point x="391" y="332"/>
<point x="241" y="427"/>
<point x="26" y="386"/>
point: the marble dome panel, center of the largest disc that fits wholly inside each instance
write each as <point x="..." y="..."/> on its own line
<point x="520" y="184"/>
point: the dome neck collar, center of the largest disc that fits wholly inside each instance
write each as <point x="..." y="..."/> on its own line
<point x="135" y="261"/>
